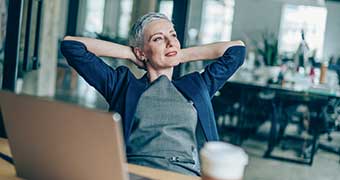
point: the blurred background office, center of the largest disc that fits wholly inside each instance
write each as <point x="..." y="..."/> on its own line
<point x="282" y="106"/>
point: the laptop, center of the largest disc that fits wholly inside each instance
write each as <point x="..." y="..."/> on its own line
<point x="54" y="140"/>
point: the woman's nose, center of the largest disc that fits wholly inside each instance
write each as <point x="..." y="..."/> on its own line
<point x="170" y="42"/>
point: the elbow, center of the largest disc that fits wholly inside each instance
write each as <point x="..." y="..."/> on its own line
<point x="232" y="44"/>
<point x="67" y="38"/>
<point x="239" y="43"/>
<point x="242" y="56"/>
<point x="67" y="47"/>
<point x="63" y="48"/>
<point x="240" y="52"/>
<point x="242" y="60"/>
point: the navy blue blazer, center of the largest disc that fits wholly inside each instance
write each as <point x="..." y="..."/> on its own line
<point x="122" y="89"/>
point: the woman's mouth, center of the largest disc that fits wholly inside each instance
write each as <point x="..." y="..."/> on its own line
<point x="170" y="54"/>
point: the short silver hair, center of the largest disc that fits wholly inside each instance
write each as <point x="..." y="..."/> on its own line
<point x="136" y="34"/>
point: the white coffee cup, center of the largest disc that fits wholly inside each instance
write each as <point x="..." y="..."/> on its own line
<point x="222" y="161"/>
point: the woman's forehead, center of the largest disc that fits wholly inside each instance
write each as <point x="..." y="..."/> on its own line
<point x="157" y="26"/>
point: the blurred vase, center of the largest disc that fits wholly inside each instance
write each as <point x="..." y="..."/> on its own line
<point x="323" y="73"/>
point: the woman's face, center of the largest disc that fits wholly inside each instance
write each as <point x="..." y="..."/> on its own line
<point x="161" y="47"/>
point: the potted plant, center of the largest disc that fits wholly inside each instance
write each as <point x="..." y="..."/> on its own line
<point x="267" y="49"/>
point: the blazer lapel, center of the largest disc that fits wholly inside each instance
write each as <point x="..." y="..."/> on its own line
<point x="133" y="94"/>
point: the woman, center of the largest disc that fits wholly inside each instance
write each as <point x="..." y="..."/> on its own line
<point x="165" y="121"/>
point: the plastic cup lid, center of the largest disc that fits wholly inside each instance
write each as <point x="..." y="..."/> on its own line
<point x="223" y="153"/>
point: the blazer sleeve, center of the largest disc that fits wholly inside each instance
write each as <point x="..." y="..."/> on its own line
<point x="97" y="73"/>
<point x="217" y="73"/>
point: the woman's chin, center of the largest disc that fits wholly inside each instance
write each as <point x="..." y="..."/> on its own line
<point x="171" y="65"/>
<point x="174" y="63"/>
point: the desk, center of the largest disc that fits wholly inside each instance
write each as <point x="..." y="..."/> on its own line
<point x="248" y="87"/>
<point x="7" y="171"/>
<point x="277" y="100"/>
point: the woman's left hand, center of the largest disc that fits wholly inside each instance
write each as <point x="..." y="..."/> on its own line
<point x="139" y="63"/>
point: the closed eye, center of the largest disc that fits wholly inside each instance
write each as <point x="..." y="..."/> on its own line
<point x="157" y="39"/>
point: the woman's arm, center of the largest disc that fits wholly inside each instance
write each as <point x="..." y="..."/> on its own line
<point x="107" y="49"/>
<point x="208" y="51"/>
<point x="229" y="57"/>
<point x="81" y="54"/>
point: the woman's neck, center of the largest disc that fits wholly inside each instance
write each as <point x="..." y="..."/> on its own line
<point x="154" y="74"/>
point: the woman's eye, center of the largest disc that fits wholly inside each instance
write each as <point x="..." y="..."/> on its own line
<point x="174" y="35"/>
<point x="157" y="39"/>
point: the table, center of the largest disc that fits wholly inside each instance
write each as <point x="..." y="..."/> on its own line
<point x="315" y="96"/>
<point x="7" y="171"/>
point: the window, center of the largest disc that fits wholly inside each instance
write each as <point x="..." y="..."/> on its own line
<point x="125" y="18"/>
<point x="94" y="16"/>
<point x="166" y="7"/>
<point x="297" y="18"/>
<point x="217" y="20"/>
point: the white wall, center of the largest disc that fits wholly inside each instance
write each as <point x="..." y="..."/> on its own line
<point x="252" y="17"/>
<point x="332" y="36"/>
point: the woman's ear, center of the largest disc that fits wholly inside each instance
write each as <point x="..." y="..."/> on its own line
<point x="139" y="53"/>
